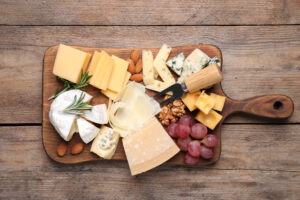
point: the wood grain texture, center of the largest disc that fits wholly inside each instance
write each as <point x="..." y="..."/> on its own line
<point x="269" y="54"/>
<point x="156" y="12"/>
<point x="245" y="147"/>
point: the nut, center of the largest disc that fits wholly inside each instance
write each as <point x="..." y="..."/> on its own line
<point x="131" y="66"/>
<point x="134" y="56"/>
<point x="77" y="148"/>
<point x="139" y="66"/>
<point x="137" y="77"/>
<point x="171" y="112"/>
<point x="62" y="149"/>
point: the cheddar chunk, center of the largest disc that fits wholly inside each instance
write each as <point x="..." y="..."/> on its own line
<point x="205" y="103"/>
<point x="70" y="62"/>
<point x="220" y="101"/>
<point x="189" y="99"/>
<point x="118" y="74"/>
<point x="210" y="120"/>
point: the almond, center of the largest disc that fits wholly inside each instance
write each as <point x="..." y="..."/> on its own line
<point x="131" y="66"/>
<point x="134" y="56"/>
<point x="62" y="149"/>
<point x="139" y="66"/>
<point x="77" y="148"/>
<point x="137" y="77"/>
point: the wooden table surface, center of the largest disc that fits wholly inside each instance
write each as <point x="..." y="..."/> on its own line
<point x="260" y="42"/>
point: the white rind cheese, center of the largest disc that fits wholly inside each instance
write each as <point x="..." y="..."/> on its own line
<point x="160" y="64"/>
<point x="98" y="114"/>
<point x="176" y="63"/>
<point x="64" y="123"/>
<point x="196" y="61"/>
<point x="105" y="143"/>
<point x="148" y="70"/>
<point x="87" y="130"/>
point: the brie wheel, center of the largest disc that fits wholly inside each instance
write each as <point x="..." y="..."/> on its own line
<point x="98" y="114"/>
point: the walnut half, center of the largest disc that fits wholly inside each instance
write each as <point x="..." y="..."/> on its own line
<point x="171" y="111"/>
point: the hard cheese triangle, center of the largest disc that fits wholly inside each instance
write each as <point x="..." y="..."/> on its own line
<point x="148" y="147"/>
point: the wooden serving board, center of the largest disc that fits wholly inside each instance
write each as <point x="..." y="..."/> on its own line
<point x="272" y="106"/>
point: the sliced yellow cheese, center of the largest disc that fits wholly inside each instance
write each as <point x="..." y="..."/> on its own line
<point x="158" y="86"/>
<point x="148" y="70"/>
<point x="210" y="120"/>
<point x="205" y="103"/>
<point x="94" y="62"/>
<point x="115" y="96"/>
<point x="70" y="62"/>
<point x="189" y="99"/>
<point x="118" y="74"/>
<point x="220" y="101"/>
<point x="148" y="147"/>
<point x="160" y="64"/>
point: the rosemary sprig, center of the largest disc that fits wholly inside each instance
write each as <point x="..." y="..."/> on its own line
<point x="68" y="85"/>
<point x="77" y="106"/>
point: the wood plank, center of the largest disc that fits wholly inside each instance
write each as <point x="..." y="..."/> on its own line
<point x="156" y="12"/>
<point x="262" y="147"/>
<point x="268" y="54"/>
<point x="160" y="184"/>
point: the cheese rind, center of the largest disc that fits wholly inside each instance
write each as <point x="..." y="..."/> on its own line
<point x="189" y="99"/>
<point x="105" y="143"/>
<point x="70" y="62"/>
<point x="148" y="69"/>
<point x="220" y="101"/>
<point x="176" y="63"/>
<point x="210" y="120"/>
<point x="118" y="74"/>
<point x="148" y="147"/>
<point x="160" y="64"/>
<point x="87" y="130"/>
<point x="205" y="103"/>
<point x="98" y="114"/>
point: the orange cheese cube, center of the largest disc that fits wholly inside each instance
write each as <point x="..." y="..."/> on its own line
<point x="70" y="62"/>
<point x="189" y="99"/>
<point x="205" y="103"/>
<point x="220" y="101"/>
<point x="210" y="120"/>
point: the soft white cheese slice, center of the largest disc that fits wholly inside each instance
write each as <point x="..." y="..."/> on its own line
<point x="98" y="114"/>
<point x="87" y="130"/>
<point x="64" y="123"/>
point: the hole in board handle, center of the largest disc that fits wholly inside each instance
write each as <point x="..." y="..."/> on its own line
<point x="277" y="105"/>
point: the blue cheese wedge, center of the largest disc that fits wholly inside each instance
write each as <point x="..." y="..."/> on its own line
<point x="196" y="61"/>
<point x="176" y="63"/>
<point x="215" y="60"/>
<point x="105" y="143"/>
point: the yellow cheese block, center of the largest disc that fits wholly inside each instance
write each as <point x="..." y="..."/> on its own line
<point x="220" y="101"/>
<point x="118" y="74"/>
<point x="70" y="62"/>
<point x="205" y="103"/>
<point x="210" y="120"/>
<point x="189" y="99"/>
<point x="101" y="70"/>
<point x="149" y="147"/>
<point x="115" y="95"/>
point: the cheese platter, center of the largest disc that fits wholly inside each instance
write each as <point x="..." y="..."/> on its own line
<point x="98" y="123"/>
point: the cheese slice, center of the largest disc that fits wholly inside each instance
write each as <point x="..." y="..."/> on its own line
<point x="210" y="120"/>
<point x="160" y="64"/>
<point x="70" y="62"/>
<point x="118" y="74"/>
<point x="115" y="96"/>
<point x="98" y="114"/>
<point x="158" y="86"/>
<point x="64" y="123"/>
<point x="148" y="147"/>
<point x="189" y="99"/>
<point x="87" y="130"/>
<point x="148" y="70"/>
<point x="105" y="143"/>
<point x="205" y="103"/>
<point x="220" y="101"/>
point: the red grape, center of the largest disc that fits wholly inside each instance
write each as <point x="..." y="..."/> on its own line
<point x="187" y="120"/>
<point x="194" y="148"/>
<point x="190" y="160"/>
<point x="182" y="130"/>
<point x="199" y="131"/>
<point x="171" y="130"/>
<point x="206" y="153"/>
<point x="183" y="143"/>
<point x="210" y="141"/>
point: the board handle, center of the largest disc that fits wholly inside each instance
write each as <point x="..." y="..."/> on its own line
<point x="274" y="106"/>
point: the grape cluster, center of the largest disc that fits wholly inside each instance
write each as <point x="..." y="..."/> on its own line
<point x="193" y="139"/>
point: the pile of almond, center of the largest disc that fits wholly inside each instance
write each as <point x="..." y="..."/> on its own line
<point x="135" y="66"/>
<point x="75" y="149"/>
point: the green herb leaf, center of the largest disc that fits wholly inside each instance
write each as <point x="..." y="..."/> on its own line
<point x="77" y="106"/>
